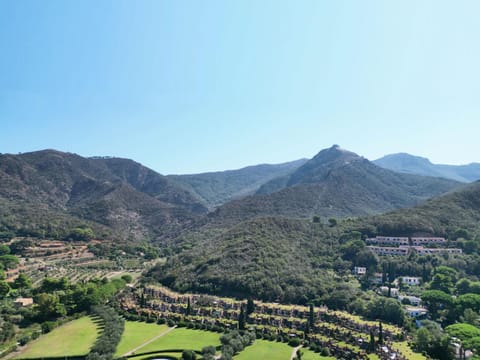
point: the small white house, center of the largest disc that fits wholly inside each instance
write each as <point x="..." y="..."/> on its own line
<point x="359" y="271"/>
<point x="393" y="291"/>
<point x="410" y="280"/>
<point x="416" y="311"/>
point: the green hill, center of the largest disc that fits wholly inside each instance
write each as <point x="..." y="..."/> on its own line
<point x="217" y="188"/>
<point x="47" y="192"/>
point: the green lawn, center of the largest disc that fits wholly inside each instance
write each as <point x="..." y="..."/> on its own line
<point x="74" y="338"/>
<point x="262" y="349"/>
<point x="183" y="338"/>
<point x="136" y="333"/>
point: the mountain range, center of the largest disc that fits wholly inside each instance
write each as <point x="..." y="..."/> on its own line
<point x="273" y="231"/>
<point x="410" y="164"/>
<point x="46" y="193"/>
<point x="334" y="183"/>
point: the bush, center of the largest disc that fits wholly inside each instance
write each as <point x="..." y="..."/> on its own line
<point x="47" y="326"/>
<point x="294" y="342"/>
<point x="324" y="351"/>
<point x="24" y="339"/>
<point x="127" y="278"/>
<point x="161" y="321"/>
<point x="107" y="342"/>
<point x="188" y="355"/>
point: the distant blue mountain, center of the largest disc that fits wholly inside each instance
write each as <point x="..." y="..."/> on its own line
<point x="410" y="164"/>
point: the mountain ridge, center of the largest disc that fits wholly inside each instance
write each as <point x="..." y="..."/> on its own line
<point x="407" y="163"/>
<point x="113" y="193"/>
<point x="217" y="188"/>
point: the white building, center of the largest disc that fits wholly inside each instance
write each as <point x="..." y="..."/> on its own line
<point x="416" y="311"/>
<point x="410" y="280"/>
<point x="393" y="291"/>
<point x="428" y="240"/>
<point x="359" y="271"/>
<point x="388" y="240"/>
<point x="433" y="251"/>
<point x="384" y="250"/>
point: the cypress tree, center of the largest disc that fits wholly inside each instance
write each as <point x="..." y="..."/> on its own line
<point x="372" y="341"/>
<point x="241" y="319"/>
<point x="380" y="334"/>
<point x="250" y="306"/>
<point x="188" y="310"/>
<point x="311" y="317"/>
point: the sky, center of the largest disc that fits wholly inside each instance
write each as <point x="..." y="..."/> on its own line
<point x="195" y="86"/>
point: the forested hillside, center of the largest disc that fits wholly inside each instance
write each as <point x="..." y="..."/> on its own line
<point x="217" y="188"/>
<point x="45" y="193"/>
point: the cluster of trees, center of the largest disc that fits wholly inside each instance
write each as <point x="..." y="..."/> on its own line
<point x="106" y="344"/>
<point x="454" y="305"/>
<point x="81" y="234"/>
<point x="114" y="249"/>
<point x="58" y="297"/>
<point x="432" y="340"/>
<point x="450" y="299"/>
<point x="234" y="342"/>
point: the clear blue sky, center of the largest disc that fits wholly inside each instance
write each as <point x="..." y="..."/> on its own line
<point x="191" y="86"/>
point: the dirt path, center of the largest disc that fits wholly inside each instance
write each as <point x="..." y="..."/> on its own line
<point x="294" y="352"/>
<point x="149" y="341"/>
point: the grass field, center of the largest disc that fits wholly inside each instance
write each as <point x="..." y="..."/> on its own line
<point x="262" y="349"/>
<point x="185" y="339"/>
<point x="74" y="338"/>
<point x="136" y="334"/>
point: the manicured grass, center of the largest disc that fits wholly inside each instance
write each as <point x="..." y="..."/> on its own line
<point x="407" y="351"/>
<point x="185" y="339"/>
<point x="74" y="338"/>
<point x="137" y="333"/>
<point x="262" y="349"/>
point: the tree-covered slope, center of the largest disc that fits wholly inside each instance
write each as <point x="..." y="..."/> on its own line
<point x="217" y="188"/>
<point x="406" y="163"/>
<point x="268" y="258"/>
<point x="443" y="215"/>
<point x="278" y="258"/>
<point x="117" y="194"/>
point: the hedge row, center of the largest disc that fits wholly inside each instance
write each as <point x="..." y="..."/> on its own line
<point x="113" y="326"/>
